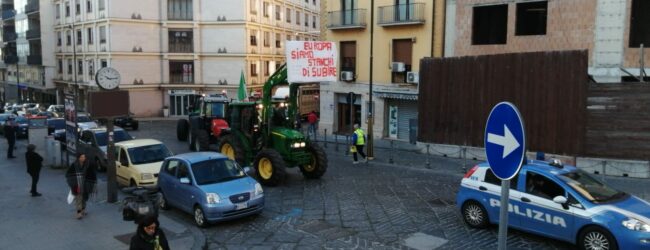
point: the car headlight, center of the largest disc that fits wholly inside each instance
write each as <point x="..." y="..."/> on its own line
<point x="636" y="225"/>
<point x="302" y="144"/>
<point x="146" y="176"/>
<point x="258" y="189"/>
<point x="295" y="145"/>
<point x="212" y="198"/>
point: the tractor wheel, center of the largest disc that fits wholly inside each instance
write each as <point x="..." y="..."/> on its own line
<point x="270" y="168"/>
<point x="318" y="165"/>
<point x="182" y="129"/>
<point x="202" y="141"/>
<point x="232" y="148"/>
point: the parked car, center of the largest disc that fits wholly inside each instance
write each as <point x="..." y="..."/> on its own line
<point x="84" y="121"/>
<point x="558" y="201"/>
<point x="23" y="127"/>
<point x="56" y="108"/>
<point x="210" y="186"/>
<point x="126" y="122"/>
<point x="56" y="128"/>
<point x="93" y="142"/>
<point x="3" y="119"/>
<point x="138" y="161"/>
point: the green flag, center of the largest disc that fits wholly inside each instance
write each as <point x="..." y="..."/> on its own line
<point x="241" y="93"/>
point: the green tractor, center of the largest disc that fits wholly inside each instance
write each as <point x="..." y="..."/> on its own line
<point x="263" y="135"/>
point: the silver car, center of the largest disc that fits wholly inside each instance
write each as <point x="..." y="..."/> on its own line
<point x="94" y="143"/>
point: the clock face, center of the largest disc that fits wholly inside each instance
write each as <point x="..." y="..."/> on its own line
<point x="108" y="78"/>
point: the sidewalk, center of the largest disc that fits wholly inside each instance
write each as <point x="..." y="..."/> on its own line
<point x="49" y="222"/>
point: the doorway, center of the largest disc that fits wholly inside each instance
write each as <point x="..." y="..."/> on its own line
<point x="178" y="104"/>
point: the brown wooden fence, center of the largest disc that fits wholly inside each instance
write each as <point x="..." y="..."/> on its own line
<point x="549" y="88"/>
<point x="618" y="120"/>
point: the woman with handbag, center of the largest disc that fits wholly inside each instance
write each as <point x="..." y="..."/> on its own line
<point x="82" y="180"/>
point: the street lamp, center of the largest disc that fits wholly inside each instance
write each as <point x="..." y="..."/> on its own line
<point x="371" y="106"/>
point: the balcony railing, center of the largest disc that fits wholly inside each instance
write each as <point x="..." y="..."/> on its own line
<point x="32" y="7"/>
<point x="11" y="59"/>
<point x="8" y="14"/>
<point x="347" y="19"/>
<point x="35" y="60"/>
<point x="33" y="33"/>
<point x="181" y="48"/>
<point x="9" y="36"/>
<point x="181" y="78"/>
<point x="401" y="14"/>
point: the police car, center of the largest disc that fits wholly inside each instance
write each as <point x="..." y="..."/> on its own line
<point x="557" y="201"/>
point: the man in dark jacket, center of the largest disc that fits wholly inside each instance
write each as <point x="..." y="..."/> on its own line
<point x="10" y="128"/>
<point x="149" y="236"/>
<point x="34" y="164"/>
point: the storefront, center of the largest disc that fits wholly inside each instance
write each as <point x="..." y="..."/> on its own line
<point x="348" y="112"/>
<point x="401" y="114"/>
<point x="179" y="100"/>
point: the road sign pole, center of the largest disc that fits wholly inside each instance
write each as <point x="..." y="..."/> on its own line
<point x="503" y="214"/>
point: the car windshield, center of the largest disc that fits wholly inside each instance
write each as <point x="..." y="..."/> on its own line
<point x="216" y="109"/>
<point x="4" y="118"/>
<point x="215" y="171"/>
<point x="56" y="124"/>
<point x="59" y="109"/>
<point x="149" y="154"/>
<point x="118" y="136"/>
<point x="589" y="187"/>
<point x="83" y="118"/>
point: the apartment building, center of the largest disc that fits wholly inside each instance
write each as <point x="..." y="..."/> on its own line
<point x="169" y="52"/>
<point x="611" y="30"/>
<point x="27" y="66"/>
<point x="404" y="32"/>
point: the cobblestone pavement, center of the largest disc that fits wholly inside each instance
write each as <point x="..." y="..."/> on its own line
<point x="365" y="206"/>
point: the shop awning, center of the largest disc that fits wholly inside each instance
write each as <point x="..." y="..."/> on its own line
<point x="401" y="96"/>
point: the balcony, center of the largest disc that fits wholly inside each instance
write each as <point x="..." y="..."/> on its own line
<point x="180" y="48"/>
<point x="8" y="14"/>
<point x="32" y="7"/>
<point x="401" y="14"/>
<point x="347" y="19"/>
<point x="35" y="60"/>
<point x="9" y="36"/>
<point x="33" y="33"/>
<point x="11" y="59"/>
<point x="181" y="78"/>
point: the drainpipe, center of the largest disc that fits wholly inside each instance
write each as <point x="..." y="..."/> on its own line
<point x="162" y="66"/>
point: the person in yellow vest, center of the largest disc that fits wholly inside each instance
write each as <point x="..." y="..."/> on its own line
<point x="358" y="141"/>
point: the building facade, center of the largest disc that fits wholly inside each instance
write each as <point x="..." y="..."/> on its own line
<point x="27" y="52"/>
<point x="404" y="32"/>
<point x="168" y="52"/>
<point x="611" y="30"/>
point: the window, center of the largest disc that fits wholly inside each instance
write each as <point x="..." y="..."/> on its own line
<point x="490" y="24"/>
<point x="68" y="38"/>
<point x="254" y="38"/>
<point x="80" y="67"/>
<point x="265" y="9"/>
<point x="253" y="6"/>
<point x="67" y="9"/>
<point x="77" y="7"/>
<point x="102" y="34"/>
<point x="306" y="20"/>
<point x="640" y="24"/>
<point x="314" y="2"/>
<point x="297" y="17"/>
<point x="493" y="179"/>
<point x="124" y="160"/>
<point x="253" y="69"/>
<point x="57" y="11"/>
<point x="531" y="18"/>
<point x="89" y="6"/>
<point x="298" y="38"/>
<point x="60" y="68"/>
<point x="277" y="12"/>
<point x="267" y="38"/>
<point x="69" y="66"/>
<point x="183" y="172"/>
<point x="314" y="20"/>
<point x="288" y="15"/>
<point x="104" y="63"/>
<point x="539" y="185"/>
<point x="288" y="37"/>
<point x="267" y="69"/>
<point x="278" y="43"/>
<point x="90" y="35"/>
<point x="171" y="167"/>
<point x="58" y="38"/>
<point x="79" y="37"/>
<point x="179" y="10"/>
<point x="91" y="69"/>
<point x="100" y="5"/>
<point x="403" y="53"/>
<point x="349" y="56"/>
<point x="181" y="72"/>
<point x="181" y="41"/>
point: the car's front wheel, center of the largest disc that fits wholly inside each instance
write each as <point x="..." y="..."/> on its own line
<point x="596" y="238"/>
<point x="475" y="215"/>
<point x="199" y="216"/>
<point x="164" y="205"/>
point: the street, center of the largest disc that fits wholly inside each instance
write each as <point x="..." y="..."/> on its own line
<point x="365" y="206"/>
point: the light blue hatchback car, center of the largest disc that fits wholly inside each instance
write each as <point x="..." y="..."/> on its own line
<point x="210" y="186"/>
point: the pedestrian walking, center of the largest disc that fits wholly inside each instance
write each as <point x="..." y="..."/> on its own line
<point x="34" y="165"/>
<point x="358" y="141"/>
<point x="82" y="180"/>
<point x="9" y="130"/>
<point x="312" y="119"/>
<point x="149" y="236"/>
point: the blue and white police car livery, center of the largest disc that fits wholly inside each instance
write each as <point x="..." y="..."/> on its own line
<point x="560" y="202"/>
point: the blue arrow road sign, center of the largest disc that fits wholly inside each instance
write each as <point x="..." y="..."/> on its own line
<point x="505" y="140"/>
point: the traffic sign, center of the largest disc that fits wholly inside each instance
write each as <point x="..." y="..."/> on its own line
<point x="505" y="140"/>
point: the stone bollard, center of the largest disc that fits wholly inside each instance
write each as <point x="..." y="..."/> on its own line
<point x="390" y="155"/>
<point x="428" y="162"/>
